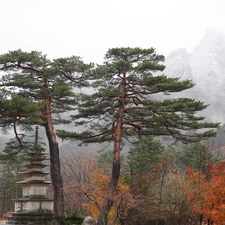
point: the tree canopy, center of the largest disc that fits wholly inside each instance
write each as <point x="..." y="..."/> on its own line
<point x="35" y="91"/>
<point x="132" y="98"/>
<point x="130" y="82"/>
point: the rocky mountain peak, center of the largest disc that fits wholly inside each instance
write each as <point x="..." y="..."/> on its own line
<point x="212" y="40"/>
<point x="206" y="67"/>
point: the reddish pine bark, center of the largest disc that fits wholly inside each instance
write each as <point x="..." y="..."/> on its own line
<point x="108" y="202"/>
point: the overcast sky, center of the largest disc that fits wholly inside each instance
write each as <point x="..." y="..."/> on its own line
<point x="87" y="28"/>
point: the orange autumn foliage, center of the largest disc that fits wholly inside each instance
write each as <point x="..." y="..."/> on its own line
<point x="198" y="186"/>
<point x="85" y="188"/>
<point x="215" y="198"/>
<point x="208" y="193"/>
<point x="122" y="200"/>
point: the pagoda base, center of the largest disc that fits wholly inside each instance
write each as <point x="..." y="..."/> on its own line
<point x="34" y="204"/>
<point x="30" y="218"/>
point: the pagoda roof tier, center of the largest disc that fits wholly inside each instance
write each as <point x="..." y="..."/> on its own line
<point x="36" y="164"/>
<point x="38" y="159"/>
<point x="32" y="172"/>
<point x="37" y="153"/>
<point x="46" y="182"/>
<point x="25" y="199"/>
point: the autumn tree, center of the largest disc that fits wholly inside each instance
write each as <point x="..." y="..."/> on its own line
<point x="166" y="201"/>
<point x="85" y="184"/>
<point x="208" y="193"/>
<point x="122" y="199"/>
<point x="132" y="98"/>
<point x="175" y="199"/>
<point x="214" y="208"/>
<point x="77" y="172"/>
<point x="198" y="184"/>
<point x="36" y="90"/>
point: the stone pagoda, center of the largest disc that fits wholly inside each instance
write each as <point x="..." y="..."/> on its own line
<point x="34" y="207"/>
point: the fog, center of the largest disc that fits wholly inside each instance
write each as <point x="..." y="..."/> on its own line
<point x="88" y="28"/>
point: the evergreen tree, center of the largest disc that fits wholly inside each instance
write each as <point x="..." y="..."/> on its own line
<point x="141" y="158"/>
<point x="130" y="99"/>
<point x="198" y="156"/>
<point x="11" y="162"/>
<point x="36" y="90"/>
<point x="144" y="153"/>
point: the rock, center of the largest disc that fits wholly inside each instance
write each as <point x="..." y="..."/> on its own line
<point x="89" y="221"/>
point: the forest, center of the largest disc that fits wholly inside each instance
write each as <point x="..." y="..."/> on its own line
<point x="159" y="161"/>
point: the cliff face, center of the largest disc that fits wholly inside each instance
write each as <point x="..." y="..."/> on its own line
<point x="206" y="67"/>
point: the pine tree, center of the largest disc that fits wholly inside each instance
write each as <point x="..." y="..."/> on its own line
<point x="198" y="156"/>
<point x="131" y="99"/>
<point x="140" y="160"/>
<point x="35" y="91"/>
<point x="11" y="162"/>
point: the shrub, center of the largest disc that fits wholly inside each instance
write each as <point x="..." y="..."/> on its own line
<point x="74" y="219"/>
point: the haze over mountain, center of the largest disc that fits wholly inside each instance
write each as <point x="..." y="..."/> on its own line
<point x="206" y="67"/>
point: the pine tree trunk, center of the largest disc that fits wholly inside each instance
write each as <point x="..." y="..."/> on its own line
<point x="59" y="217"/>
<point x="111" y="189"/>
<point x="103" y="217"/>
<point x="201" y="219"/>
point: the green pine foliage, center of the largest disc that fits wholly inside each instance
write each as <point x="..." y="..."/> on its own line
<point x="144" y="153"/>
<point x="198" y="156"/>
<point x="11" y="166"/>
<point x="141" y="158"/>
<point x="37" y="91"/>
<point x="130" y="84"/>
<point x="29" y="79"/>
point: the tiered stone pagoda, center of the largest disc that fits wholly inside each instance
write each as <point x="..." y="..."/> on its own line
<point x="34" y="207"/>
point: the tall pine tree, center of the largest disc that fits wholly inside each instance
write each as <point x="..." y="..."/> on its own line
<point x="36" y="90"/>
<point x="130" y="99"/>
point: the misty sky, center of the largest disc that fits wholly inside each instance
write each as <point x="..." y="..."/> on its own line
<point x="87" y="28"/>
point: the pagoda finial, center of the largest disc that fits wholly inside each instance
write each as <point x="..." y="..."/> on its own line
<point x="36" y="135"/>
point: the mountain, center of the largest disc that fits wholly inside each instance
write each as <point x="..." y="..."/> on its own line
<point x="206" y="67"/>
